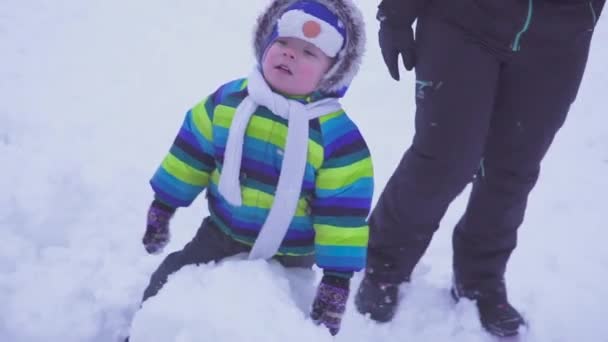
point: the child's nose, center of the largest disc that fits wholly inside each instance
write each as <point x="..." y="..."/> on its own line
<point x="289" y="53"/>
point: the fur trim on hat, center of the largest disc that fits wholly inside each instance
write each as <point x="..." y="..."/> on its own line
<point x="348" y="61"/>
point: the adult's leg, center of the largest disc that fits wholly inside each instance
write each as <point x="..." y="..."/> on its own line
<point x="209" y="244"/>
<point x="455" y="93"/>
<point x="536" y="90"/>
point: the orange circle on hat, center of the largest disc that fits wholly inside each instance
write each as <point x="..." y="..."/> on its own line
<point x="311" y="29"/>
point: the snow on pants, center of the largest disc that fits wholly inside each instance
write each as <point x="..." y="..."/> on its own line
<point x="209" y="244"/>
<point x="489" y="101"/>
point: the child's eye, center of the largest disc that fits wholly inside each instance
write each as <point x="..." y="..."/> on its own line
<point x="281" y="42"/>
<point x="309" y="53"/>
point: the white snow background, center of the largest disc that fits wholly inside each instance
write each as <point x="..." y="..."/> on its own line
<point x="91" y="96"/>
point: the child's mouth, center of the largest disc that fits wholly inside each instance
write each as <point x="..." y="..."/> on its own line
<point x="284" y="68"/>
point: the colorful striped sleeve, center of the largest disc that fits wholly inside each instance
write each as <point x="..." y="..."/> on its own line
<point x="344" y="190"/>
<point x="185" y="171"/>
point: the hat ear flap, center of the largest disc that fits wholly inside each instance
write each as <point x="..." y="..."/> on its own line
<point x="264" y="32"/>
<point x="348" y="61"/>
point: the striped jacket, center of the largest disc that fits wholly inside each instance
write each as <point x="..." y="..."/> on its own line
<point x="336" y="195"/>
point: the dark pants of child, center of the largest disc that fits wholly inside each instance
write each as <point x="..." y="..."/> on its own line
<point x="209" y="244"/>
<point x="490" y="99"/>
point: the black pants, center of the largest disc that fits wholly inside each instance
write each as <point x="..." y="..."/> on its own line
<point x="209" y="244"/>
<point x="484" y="113"/>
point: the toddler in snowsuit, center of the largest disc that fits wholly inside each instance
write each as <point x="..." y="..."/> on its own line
<point x="287" y="173"/>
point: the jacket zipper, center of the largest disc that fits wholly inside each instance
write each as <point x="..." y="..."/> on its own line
<point x="516" y="46"/>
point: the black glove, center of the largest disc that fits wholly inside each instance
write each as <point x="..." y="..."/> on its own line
<point x="394" y="42"/>
<point x="396" y="36"/>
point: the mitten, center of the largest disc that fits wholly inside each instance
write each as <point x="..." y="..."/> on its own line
<point x="330" y="302"/>
<point x="157" y="230"/>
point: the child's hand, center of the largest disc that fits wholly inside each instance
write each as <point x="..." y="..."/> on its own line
<point x="330" y="302"/>
<point x="157" y="231"/>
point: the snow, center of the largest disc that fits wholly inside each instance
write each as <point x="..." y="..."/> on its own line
<point x="91" y="95"/>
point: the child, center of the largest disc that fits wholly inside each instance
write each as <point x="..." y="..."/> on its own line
<point x="287" y="173"/>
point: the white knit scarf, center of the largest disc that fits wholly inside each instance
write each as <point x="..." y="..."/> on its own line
<point x="294" y="159"/>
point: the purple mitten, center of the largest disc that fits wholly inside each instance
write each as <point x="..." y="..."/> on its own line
<point x="157" y="230"/>
<point x="330" y="302"/>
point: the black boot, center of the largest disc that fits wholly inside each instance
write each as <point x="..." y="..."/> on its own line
<point x="496" y="314"/>
<point x="377" y="299"/>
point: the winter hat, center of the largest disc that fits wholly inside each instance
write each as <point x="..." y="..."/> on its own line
<point x="311" y="21"/>
<point x="334" y="26"/>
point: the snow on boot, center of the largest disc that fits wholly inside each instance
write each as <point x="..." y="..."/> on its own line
<point x="496" y="314"/>
<point x="377" y="299"/>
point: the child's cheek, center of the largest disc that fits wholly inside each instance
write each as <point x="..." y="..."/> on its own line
<point x="309" y="72"/>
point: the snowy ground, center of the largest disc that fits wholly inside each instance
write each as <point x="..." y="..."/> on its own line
<point x="91" y="95"/>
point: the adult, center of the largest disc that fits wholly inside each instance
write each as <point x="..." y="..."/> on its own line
<point x="494" y="82"/>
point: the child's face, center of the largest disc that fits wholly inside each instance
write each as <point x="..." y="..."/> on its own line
<point x="293" y="66"/>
